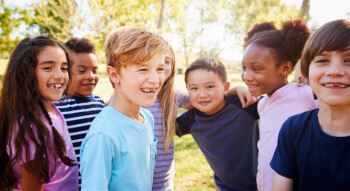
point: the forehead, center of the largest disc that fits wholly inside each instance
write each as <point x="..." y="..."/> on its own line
<point x="52" y="54"/>
<point x="85" y="59"/>
<point x="202" y="76"/>
<point x="256" y="53"/>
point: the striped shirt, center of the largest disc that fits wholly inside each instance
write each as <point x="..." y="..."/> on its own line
<point x="164" y="170"/>
<point x="79" y="112"/>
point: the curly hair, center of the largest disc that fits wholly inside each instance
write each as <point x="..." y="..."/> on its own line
<point x="80" y="45"/>
<point x="20" y="114"/>
<point x="286" y="44"/>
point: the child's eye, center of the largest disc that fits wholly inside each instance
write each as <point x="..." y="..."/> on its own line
<point x="193" y="88"/>
<point x="256" y="69"/>
<point x="64" y="69"/>
<point x="160" y="69"/>
<point x="47" y="68"/>
<point x="244" y="68"/>
<point x="322" y="60"/>
<point x="81" y="71"/>
<point x="209" y="87"/>
<point x="95" y="71"/>
<point x="142" y="69"/>
<point x="167" y="62"/>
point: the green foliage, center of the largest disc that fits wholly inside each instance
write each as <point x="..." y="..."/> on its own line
<point x="244" y="14"/>
<point x="10" y="18"/>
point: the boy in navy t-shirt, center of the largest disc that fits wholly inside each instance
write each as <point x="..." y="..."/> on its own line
<point x="313" y="151"/>
<point x="226" y="133"/>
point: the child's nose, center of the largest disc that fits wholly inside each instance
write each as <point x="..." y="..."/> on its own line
<point x="153" y="78"/>
<point x="90" y="75"/>
<point x="246" y="76"/>
<point x="335" y="69"/>
<point x="58" y="74"/>
<point x="202" y="94"/>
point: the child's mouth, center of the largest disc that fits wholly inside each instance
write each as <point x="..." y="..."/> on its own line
<point x="149" y="91"/>
<point x="337" y="85"/>
<point x="55" y="86"/>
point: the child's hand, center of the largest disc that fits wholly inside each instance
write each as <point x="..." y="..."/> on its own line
<point x="244" y="96"/>
<point x="302" y="81"/>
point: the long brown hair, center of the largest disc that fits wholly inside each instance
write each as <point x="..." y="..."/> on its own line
<point x="20" y="115"/>
<point x="166" y="98"/>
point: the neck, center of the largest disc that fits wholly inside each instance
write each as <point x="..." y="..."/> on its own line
<point x="280" y="85"/>
<point x="334" y="121"/>
<point x="49" y="108"/>
<point x="126" y="108"/>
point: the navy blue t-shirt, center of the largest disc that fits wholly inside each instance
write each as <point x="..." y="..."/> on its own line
<point x="228" y="140"/>
<point x="313" y="159"/>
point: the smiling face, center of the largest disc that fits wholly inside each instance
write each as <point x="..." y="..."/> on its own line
<point x="52" y="74"/>
<point x="85" y="74"/>
<point x="260" y="71"/>
<point x="329" y="78"/>
<point x="206" y="91"/>
<point x="139" y="84"/>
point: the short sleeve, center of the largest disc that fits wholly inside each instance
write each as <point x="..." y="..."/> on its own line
<point x="283" y="161"/>
<point x="97" y="157"/>
<point x="184" y="122"/>
<point x="181" y="97"/>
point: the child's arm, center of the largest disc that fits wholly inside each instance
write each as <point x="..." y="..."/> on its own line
<point x="96" y="162"/>
<point x="244" y="96"/>
<point x="281" y="183"/>
<point x="30" y="181"/>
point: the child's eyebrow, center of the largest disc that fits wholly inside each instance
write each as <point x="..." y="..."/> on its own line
<point x="47" y="62"/>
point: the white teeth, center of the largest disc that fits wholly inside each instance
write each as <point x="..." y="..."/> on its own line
<point x="339" y="86"/>
<point x="149" y="91"/>
<point x="55" y="86"/>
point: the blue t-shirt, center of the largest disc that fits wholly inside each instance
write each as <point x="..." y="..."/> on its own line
<point x="228" y="140"/>
<point x="312" y="158"/>
<point x="118" y="153"/>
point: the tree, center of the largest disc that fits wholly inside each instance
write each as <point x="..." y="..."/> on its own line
<point x="190" y="20"/>
<point x="243" y="14"/>
<point x="161" y="17"/>
<point x="10" y="19"/>
<point x="57" y="19"/>
<point x="304" y="10"/>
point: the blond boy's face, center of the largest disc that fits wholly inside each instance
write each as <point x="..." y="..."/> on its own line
<point x="85" y="74"/>
<point x="206" y="91"/>
<point x="329" y="78"/>
<point x="140" y="84"/>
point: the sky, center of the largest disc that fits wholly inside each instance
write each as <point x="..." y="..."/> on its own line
<point x="321" y="11"/>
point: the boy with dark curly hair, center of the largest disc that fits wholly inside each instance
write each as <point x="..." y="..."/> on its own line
<point x="80" y="106"/>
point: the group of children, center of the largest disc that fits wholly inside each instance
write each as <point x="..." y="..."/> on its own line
<point x="303" y="142"/>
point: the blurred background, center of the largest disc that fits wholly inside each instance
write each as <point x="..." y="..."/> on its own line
<point x="195" y="28"/>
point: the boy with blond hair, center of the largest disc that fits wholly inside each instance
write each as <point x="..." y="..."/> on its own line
<point x="119" y="150"/>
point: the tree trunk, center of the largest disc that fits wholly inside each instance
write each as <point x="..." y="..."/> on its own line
<point x="161" y="17"/>
<point x="304" y="10"/>
<point x="304" y="14"/>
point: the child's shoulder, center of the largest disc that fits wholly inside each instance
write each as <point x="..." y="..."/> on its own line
<point x="300" y="122"/>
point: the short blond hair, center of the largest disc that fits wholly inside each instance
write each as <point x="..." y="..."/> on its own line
<point x="129" y="45"/>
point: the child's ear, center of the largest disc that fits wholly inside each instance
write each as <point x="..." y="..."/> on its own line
<point x="113" y="74"/>
<point x="226" y="87"/>
<point x="286" y="68"/>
